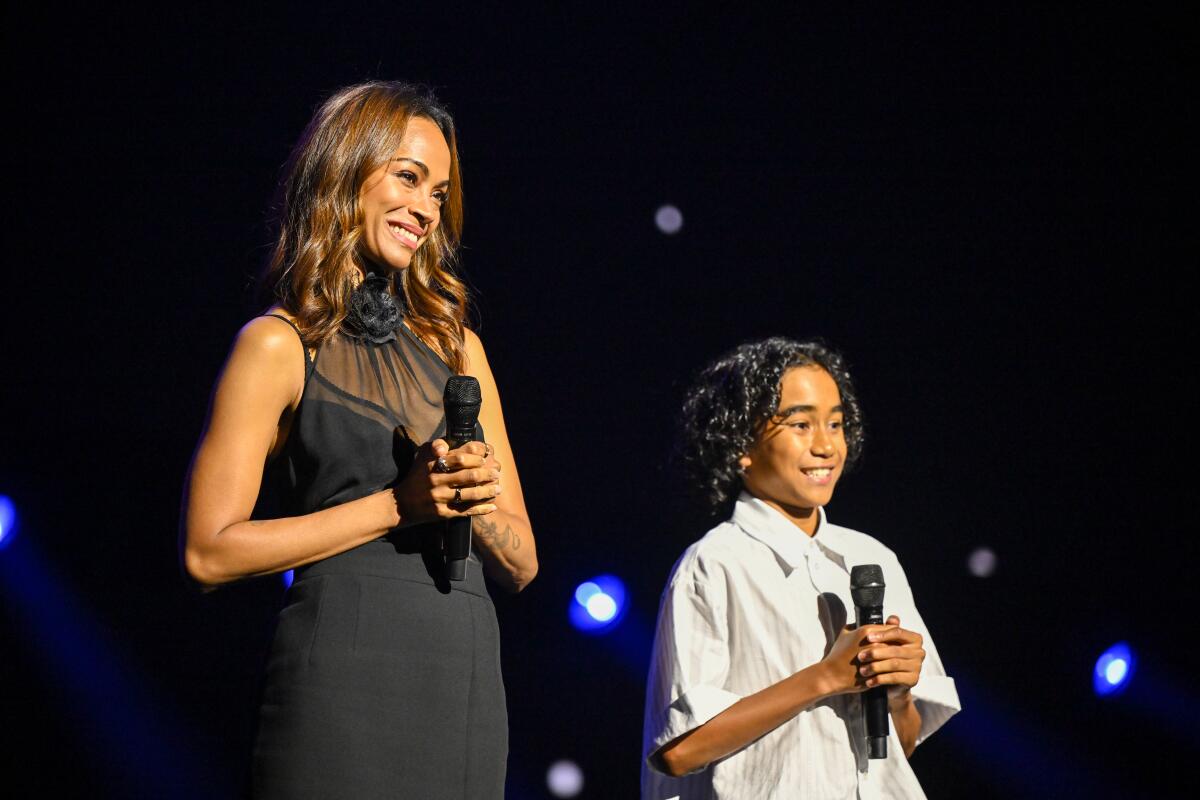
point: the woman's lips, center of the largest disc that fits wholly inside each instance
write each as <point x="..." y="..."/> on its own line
<point x="407" y="235"/>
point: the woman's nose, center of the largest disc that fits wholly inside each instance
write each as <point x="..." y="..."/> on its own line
<point x="423" y="209"/>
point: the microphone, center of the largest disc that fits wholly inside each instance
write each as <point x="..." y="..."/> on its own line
<point x="866" y="589"/>
<point x="461" y="401"/>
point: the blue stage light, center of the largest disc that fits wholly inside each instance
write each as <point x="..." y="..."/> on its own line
<point x="585" y="591"/>
<point x="8" y="520"/>
<point x="1114" y="670"/>
<point x="601" y="607"/>
<point x="287" y="576"/>
<point x="598" y="604"/>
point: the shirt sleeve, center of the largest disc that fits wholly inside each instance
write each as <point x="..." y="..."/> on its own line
<point x="935" y="694"/>
<point x="690" y="664"/>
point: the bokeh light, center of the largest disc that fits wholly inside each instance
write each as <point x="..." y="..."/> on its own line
<point x="1114" y="670"/>
<point x="564" y="778"/>
<point x="8" y="520"/>
<point x="982" y="562"/>
<point x="598" y="604"/>
<point x="669" y="219"/>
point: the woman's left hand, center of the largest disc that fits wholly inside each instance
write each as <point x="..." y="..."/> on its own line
<point x="472" y="455"/>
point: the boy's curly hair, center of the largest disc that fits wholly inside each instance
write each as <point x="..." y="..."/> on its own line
<point x="731" y="401"/>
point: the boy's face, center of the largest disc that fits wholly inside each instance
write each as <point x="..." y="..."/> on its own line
<point x="798" y="458"/>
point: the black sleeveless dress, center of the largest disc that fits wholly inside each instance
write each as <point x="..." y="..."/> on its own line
<point x="384" y="678"/>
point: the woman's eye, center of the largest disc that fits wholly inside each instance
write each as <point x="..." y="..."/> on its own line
<point x="406" y="176"/>
<point x="441" y="197"/>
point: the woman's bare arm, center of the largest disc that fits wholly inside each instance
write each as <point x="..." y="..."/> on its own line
<point x="505" y="538"/>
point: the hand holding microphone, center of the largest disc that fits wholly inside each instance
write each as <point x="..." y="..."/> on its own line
<point x="466" y="486"/>
<point x="875" y="658"/>
<point x="449" y="478"/>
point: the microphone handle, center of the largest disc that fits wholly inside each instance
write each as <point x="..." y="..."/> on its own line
<point x="457" y="541"/>
<point x="875" y="707"/>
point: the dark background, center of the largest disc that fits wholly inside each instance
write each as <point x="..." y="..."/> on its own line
<point x="983" y="209"/>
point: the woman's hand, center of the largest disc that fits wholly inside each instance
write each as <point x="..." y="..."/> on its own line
<point x="874" y="655"/>
<point x="444" y="483"/>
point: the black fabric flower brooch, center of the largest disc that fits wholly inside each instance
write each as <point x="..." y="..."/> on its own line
<point x="374" y="313"/>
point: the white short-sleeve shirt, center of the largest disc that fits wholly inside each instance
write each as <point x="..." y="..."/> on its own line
<point x="751" y="603"/>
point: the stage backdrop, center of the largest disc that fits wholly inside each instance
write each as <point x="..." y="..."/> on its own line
<point x="982" y="209"/>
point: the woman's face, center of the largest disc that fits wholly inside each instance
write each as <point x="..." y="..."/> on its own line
<point x="402" y="200"/>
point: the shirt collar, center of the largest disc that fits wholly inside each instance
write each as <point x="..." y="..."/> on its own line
<point x="762" y="522"/>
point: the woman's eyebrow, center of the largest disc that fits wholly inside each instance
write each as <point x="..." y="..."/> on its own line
<point x="420" y="165"/>
<point x="424" y="169"/>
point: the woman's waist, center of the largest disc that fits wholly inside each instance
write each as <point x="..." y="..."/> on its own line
<point x="411" y="554"/>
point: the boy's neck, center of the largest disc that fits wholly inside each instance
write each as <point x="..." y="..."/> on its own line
<point x="806" y="519"/>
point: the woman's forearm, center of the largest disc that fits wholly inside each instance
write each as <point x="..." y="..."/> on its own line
<point x="259" y="547"/>
<point x="505" y="541"/>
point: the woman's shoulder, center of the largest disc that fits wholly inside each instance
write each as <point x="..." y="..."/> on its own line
<point x="477" y="360"/>
<point x="272" y="338"/>
<point x="471" y="340"/>
<point x="272" y="330"/>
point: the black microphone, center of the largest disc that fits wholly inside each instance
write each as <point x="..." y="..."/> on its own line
<point x="461" y="402"/>
<point x="866" y="589"/>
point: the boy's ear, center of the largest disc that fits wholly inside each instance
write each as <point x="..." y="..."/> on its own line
<point x="744" y="462"/>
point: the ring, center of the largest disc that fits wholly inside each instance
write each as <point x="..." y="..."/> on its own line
<point x="440" y="465"/>
<point x="457" y="495"/>
<point x="487" y="450"/>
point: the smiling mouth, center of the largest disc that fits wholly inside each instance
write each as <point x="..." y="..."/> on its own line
<point x="404" y="235"/>
<point x="818" y="473"/>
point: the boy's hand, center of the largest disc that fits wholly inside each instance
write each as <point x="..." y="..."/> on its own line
<point x="893" y="657"/>
<point x="874" y="655"/>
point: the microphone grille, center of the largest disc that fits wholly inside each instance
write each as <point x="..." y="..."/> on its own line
<point x="866" y="585"/>
<point x="462" y="390"/>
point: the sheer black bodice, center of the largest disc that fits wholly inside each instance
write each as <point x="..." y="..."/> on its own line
<point x="366" y="409"/>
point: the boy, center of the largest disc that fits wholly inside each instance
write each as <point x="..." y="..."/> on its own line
<point x="755" y="679"/>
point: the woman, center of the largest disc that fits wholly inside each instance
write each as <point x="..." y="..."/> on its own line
<point x="321" y="455"/>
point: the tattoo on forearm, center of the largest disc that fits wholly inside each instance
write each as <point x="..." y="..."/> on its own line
<point x="491" y="534"/>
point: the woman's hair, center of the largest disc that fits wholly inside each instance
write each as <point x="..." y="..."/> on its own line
<point x="316" y="263"/>
<point x="730" y="402"/>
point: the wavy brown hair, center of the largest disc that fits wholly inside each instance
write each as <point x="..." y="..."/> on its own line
<point x="316" y="264"/>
